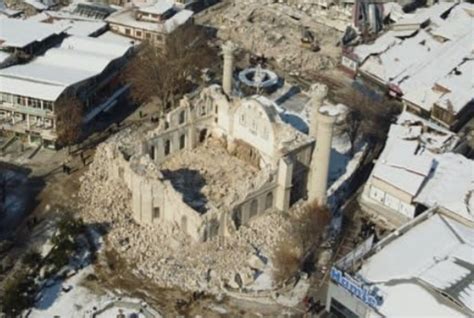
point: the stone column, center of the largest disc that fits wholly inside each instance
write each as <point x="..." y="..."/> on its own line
<point x="228" y="49"/>
<point x="321" y="157"/>
<point x="283" y="191"/>
<point x="318" y="93"/>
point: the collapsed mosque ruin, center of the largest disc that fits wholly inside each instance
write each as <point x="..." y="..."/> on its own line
<point x="219" y="160"/>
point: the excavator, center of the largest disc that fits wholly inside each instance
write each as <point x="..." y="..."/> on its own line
<point x="308" y="40"/>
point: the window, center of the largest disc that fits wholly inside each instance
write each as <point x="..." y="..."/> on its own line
<point x="253" y="208"/>
<point x="138" y="34"/>
<point x="152" y="152"/>
<point x="167" y="147"/>
<point x="35" y="103"/>
<point x="182" y="141"/>
<point x="159" y="38"/>
<point x="237" y="217"/>
<point x="269" y="200"/>
<point x="339" y="310"/>
<point x="203" y="110"/>
<point x="156" y="213"/>
<point x="20" y="100"/>
<point x="48" y="105"/>
<point x="242" y="119"/>
<point x="128" y="31"/>
<point x="212" y="230"/>
<point x="148" y="35"/>
<point x="5" y="98"/>
<point x="182" y="117"/>
<point x="202" y="135"/>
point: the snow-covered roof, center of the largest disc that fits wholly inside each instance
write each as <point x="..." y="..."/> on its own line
<point x="381" y="44"/>
<point x="38" y="5"/>
<point x="460" y="86"/>
<point x="432" y="14"/>
<point x="403" y="165"/>
<point x="416" y="82"/>
<point x="160" y="7"/>
<point x="75" y="60"/>
<point x="20" y="33"/>
<point x="81" y="28"/>
<point x="126" y="17"/>
<point x="451" y="185"/>
<point x="7" y="11"/>
<point x="4" y="56"/>
<point x="411" y="146"/>
<point x="400" y="57"/>
<point x="416" y="64"/>
<point x="110" y="36"/>
<point x="423" y="267"/>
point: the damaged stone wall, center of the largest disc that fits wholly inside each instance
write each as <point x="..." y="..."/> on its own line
<point x="150" y="249"/>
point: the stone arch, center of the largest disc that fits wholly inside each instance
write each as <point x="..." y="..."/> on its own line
<point x="182" y="117"/>
<point x="202" y="135"/>
<point x="212" y="230"/>
<point x="182" y="141"/>
<point x="269" y="200"/>
<point x="253" y="209"/>
<point x="237" y="217"/>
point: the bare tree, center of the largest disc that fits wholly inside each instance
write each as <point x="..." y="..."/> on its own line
<point x="69" y="115"/>
<point x="168" y="72"/>
<point x="311" y="224"/>
<point x="7" y="180"/>
<point x="308" y="228"/>
<point x="367" y="118"/>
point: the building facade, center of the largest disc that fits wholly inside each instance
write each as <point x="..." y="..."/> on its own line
<point x="152" y="23"/>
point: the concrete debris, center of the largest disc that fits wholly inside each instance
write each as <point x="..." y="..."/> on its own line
<point x="274" y="30"/>
<point x="165" y="254"/>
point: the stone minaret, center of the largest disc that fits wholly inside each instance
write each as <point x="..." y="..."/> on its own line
<point x="318" y="93"/>
<point x="322" y="126"/>
<point x="228" y="49"/>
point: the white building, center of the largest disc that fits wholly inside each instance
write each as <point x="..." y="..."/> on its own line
<point x="27" y="38"/>
<point x="423" y="269"/>
<point x="150" y="22"/>
<point x="416" y="170"/>
<point x="425" y="59"/>
<point x="82" y="67"/>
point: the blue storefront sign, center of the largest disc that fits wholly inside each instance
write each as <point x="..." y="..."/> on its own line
<point x="366" y="295"/>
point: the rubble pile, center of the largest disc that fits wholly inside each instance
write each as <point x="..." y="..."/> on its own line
<point x="275" y="31"/>
<point x="221" y="181"/>
<point x="163" y="253"/>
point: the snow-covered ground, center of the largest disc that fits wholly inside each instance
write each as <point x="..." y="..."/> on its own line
<point x="70" y="298"/>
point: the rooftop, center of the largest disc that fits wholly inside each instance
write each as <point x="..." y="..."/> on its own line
<point x="20" y="33"/>
<point x="451" y="185"/>
<point x="424" y="269"/>
<point x="411" y="147"/>
<point x="420" y="62"/>
<point x="75" y="60"/>
<point x="160" y="7"/>
<point x="126" y="17"/>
